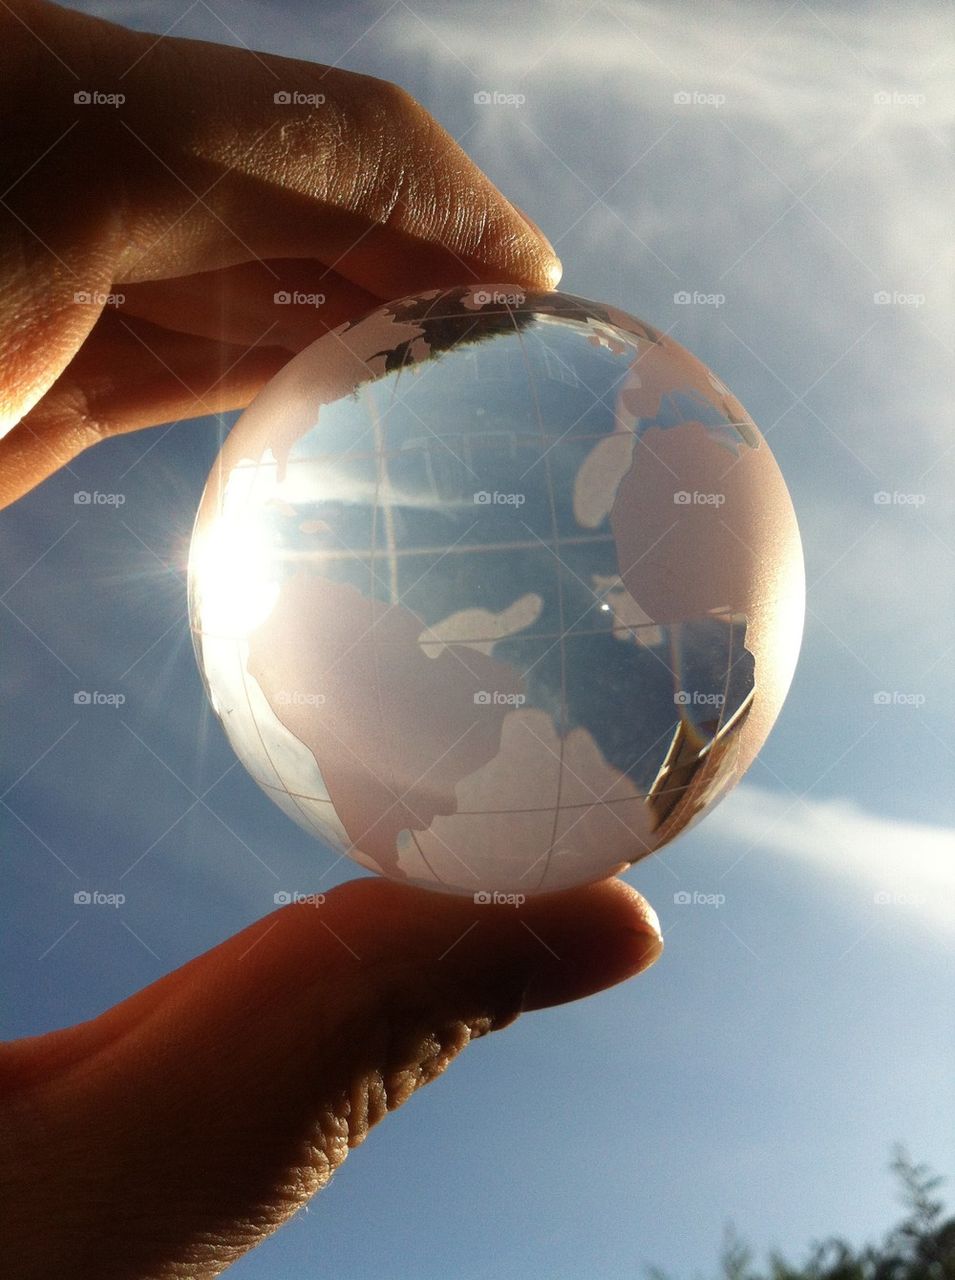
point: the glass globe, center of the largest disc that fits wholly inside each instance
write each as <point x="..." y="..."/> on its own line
<point x="496" y="592"/>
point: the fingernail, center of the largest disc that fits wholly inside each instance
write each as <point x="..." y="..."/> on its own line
<point x="652" y="919"/>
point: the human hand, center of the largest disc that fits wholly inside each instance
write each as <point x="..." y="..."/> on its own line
<point x="195" y="200"/>
<point x="175" y="1131"/>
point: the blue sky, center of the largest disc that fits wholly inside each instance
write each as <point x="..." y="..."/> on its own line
<point x="762" y="1070"/>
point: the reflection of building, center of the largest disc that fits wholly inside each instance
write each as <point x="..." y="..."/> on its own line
<point x="694" y="771"/>
<point x="703" y="752"/>
<point x="514" y="363"/>
<point x="446" y="472"/>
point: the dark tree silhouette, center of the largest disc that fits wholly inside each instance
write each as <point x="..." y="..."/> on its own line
<point x="920" y="1247"/>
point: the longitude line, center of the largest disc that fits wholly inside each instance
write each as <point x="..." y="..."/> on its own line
<point x="555" y="534"/>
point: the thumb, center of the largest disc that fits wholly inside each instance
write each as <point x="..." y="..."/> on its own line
<point x="187" y="1123"/>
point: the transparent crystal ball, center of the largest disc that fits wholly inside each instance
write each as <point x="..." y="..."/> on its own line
<point x="496" y="592"/>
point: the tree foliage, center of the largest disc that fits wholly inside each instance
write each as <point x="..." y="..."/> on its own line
<point x="920" y="1247"/>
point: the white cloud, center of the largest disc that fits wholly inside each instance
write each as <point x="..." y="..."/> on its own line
<point x="897" y="863"/>
<point x="804" y="94"/>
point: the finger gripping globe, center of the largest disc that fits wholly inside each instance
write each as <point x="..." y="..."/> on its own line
<point x="496" y="592"/>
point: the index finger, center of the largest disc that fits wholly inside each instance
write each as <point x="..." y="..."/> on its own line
<point x="218" y="155"/>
